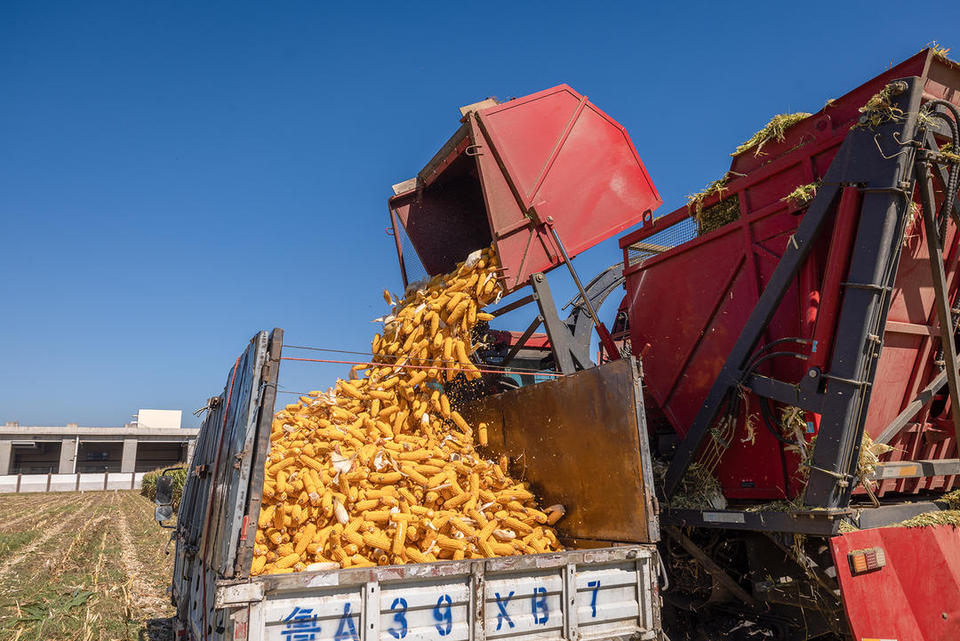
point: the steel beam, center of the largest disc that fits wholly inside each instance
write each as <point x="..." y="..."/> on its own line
<point x="940" y="288"/>
<point x="796" y="395"/>
<point x="914" y="406"/>
<point x="818" y="522"/>
<point x="885" y="515"/>
<point x="521" y="341"/>
<point x="569" y="355"/>
<point x="509" y="307"/>
<point x="267" y="379"/>
<point x="711" y="567"/>
<point x="916" y="469"/>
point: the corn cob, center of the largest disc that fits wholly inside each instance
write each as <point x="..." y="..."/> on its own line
<point x="383" y="468"/>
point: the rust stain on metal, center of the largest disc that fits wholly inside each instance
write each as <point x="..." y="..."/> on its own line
<point x="576" y="440"/>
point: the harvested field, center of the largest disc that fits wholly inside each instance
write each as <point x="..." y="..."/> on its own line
<point x="83" y="566"/>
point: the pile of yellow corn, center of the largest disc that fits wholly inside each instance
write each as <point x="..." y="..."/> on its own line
<point x="381" y="470"/>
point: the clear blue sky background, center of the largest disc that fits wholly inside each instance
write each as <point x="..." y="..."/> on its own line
<point x="176" y="176"/>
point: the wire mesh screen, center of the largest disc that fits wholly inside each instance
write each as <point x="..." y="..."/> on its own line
<point x="676" y="234"/>
<point x="415" y="269"/>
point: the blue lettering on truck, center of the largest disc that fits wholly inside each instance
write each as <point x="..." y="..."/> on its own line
<point x="399" y="629"/>
<point x="502" y="606"/>
<point x="301" y="625"/>
<point x="538" y="606"/>
<point x="593" y="600"/>
<point x="346" y="630"/>
<point x="441" y="614"/>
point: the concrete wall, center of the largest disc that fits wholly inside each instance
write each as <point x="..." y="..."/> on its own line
<point x="6" y="456"/>
<point x="68" y="454"/>
<point x="129" y="455"/>
<point x="28" y="483"/>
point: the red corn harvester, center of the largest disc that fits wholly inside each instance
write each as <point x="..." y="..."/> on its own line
<point x="799" y="317"/>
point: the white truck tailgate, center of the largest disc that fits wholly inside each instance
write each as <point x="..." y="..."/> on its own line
<point x="574" y="595"/>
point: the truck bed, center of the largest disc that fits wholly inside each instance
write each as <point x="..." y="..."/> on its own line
<point x="605" y="589"/>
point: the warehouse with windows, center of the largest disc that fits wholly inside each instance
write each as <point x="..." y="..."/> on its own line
<point x="155" y="439"/>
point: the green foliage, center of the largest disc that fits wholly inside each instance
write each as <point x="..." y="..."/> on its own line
<point x="149" y="487"/>
<point x="10" y="541"/>
<point x="46" y="609"/>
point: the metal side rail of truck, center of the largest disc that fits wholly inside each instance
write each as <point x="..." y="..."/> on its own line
<point x="587" y="449"/>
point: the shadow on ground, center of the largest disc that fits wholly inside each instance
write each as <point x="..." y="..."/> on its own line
<point x="157" y="630"/>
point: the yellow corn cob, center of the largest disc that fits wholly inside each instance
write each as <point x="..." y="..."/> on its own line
<point x="287" y="561"/>
<point x="412" y="486"/>
<point x="375" y="540"/>
<point x="449" y="543"/>
<point x="555" y="514"/>
<point x="399" y="538"/>
<point x="305" y="537"/>
<point x="386" y="478"/>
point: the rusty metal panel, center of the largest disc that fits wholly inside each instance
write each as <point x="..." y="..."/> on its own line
<point x="580" y="441"/>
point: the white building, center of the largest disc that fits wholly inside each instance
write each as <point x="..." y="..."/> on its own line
<point x="155" y="440"/>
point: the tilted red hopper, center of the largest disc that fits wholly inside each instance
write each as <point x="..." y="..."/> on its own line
<point x="514" y="168"/>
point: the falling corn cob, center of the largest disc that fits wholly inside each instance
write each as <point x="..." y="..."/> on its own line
<point x="382" y="468"/>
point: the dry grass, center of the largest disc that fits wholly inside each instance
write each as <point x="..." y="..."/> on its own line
<point x="699" y="489"/>
<point x="938" y="50"/>
<point x="82" y="566"/>
<point x="928" y="519"/>
<point x="717" y="215"/>
<point x="802" y="195"/>
<point x="879" y="109"/>
<point x="774" y="130"/>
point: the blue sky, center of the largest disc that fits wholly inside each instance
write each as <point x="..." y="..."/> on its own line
<point x="176" y="176"/>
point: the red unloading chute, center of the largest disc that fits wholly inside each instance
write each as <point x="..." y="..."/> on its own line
<point x="514" y="169"/>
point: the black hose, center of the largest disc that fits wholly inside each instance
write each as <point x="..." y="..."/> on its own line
<point x="756" y="362"/>
<point x="953" y="180"/>
<point x="770" y="421"/>
<point x="779" y="341"/>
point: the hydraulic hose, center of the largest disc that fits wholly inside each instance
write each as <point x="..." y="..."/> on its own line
<point x="953" y="180"/>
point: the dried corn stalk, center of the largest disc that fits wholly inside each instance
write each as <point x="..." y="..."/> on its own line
<point x="382" y="469"/>
<point x="870" y="453"/>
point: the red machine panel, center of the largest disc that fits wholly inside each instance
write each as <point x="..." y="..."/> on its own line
<point x="914" y="595"/>
<point x="690" y="295"/>
<point x="511" y="168"/>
